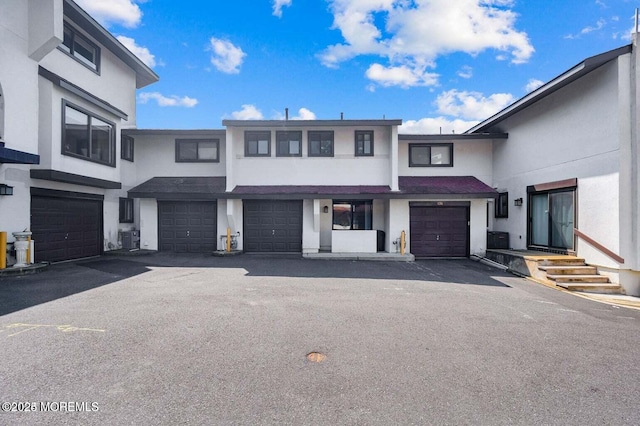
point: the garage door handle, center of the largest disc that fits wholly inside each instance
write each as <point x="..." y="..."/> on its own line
<point x="187" y="233"/>
<point x="437" y="237"/>
<point x="273" y="232"/>
<point x="66" y="237"/>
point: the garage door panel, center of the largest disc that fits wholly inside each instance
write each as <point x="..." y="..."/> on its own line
<point x="187" y="226"/>
<point x="273" y="226"/>
<point x="439" y="231"/>
<point x="65" y="228"/>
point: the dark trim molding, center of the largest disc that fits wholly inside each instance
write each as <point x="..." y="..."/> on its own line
<point x="41" y="192"/>
<point x="550" y="186"/>
<point x="17" y="157"/>
<point x="56" y="176"/>
<point x="80" y="92"/>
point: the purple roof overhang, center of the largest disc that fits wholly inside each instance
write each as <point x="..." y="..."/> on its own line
<point x="209" y="188"/>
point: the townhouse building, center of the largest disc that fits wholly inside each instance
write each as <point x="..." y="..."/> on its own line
<point x="557" y="170"/>
<point x="68" y="89"/>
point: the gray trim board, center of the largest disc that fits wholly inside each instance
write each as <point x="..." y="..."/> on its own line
<point x="552" y="86"/>
<point x="309" y="123"/>
<point x="453" y="137"/>
<point x="218" y="133"/>
<point x="80" y="92"/>
<point x="57" y="176"/>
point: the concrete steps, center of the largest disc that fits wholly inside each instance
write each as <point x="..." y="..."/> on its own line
<point x="575" y="275"/>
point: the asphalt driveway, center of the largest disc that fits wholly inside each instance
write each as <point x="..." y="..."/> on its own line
<point x="202" y="340"/>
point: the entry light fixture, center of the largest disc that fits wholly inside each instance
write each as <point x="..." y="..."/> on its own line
<point x="517" y="202"/>
<point x="6" y="189"/>
<point x="325" y="209"/>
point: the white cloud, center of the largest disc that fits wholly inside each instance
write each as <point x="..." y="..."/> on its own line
<point x="278" y="5"/>
<point x="471" y="105"/>
<point x="589" y="29"/>
<point x="404" y="76"/>
<point x="226" y="57"/>
<point x="122" y="12"/>
<point x="164" y="101"/>
<point x="533" y="84"/>
<point x="416" y="33"/>
<point x="141" y="52"/>
<point x="248" y="112"/>
<point x="465" y="72"/>
<point x="304" y="114"/>
<point x="434" y="126"/>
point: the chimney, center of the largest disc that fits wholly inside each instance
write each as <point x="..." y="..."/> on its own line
<point x="286" y="113"/>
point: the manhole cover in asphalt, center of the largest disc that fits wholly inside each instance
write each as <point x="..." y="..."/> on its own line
<point x="316" y="357"/>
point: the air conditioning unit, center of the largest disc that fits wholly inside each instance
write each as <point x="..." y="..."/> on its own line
<point x="130" y="239"/>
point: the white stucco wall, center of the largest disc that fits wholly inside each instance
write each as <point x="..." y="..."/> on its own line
<point x="148" y="224"/>
<point x="470" y="158"/>
<point x="573" y="133"/>
<point x="155" y="157"/>
<point x="344" y="168"/>
<point x="21" y="34"/>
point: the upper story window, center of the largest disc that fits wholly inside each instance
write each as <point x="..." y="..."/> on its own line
<point x="87" y="136"/>
<point x="78" y="46"/>
<point x="126" y="147"/>
<point x="288" y="144"/>
<point x="257" y="144"/>
<point x="197" y="150"/>
<point x="320" y="143"/>
<point x="431" y="155"/>
<point x="364" y="143"/>
<point x="353" y="215"/>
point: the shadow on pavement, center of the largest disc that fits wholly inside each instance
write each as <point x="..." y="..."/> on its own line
<point x="65" y="279"/>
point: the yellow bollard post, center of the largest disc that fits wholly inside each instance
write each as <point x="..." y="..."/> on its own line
<point x="228" y="239"/>
<point x="29" y="250"/>
<point x="3" y="249"/>
<point x="403" y="243"/>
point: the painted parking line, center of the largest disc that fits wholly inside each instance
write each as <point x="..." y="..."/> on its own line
<point x="20" y="328"/>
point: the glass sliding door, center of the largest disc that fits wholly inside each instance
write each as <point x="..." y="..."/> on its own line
<point x="540" y="220"/>
<point x="561" y="219"/>
<point x="552" y="219"/>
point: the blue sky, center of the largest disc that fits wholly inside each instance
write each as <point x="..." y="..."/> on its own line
<point x="440" y="65"/>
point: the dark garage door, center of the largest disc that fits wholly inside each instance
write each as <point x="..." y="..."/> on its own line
<point x="439" y="231"/>
<point x="273" y="226"/>
<point x="65" y="228"/>
<point x="187" y="226"/>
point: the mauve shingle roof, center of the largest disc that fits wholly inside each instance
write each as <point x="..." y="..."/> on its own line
<point x="214" y="187"/>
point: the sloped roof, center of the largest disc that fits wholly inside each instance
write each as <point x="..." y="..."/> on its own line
<point x="181" y="188"/>
<point x="569" y="76"/>
<point x="210" y="188"/>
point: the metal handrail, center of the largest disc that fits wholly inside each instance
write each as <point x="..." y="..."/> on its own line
<point x="597" y="245"/>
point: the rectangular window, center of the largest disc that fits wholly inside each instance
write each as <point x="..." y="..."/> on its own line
<point x="431" y="155"/>
<point x="257" y="144"/>
<point x="87" y="136"/>
<point x="80" y="48"/>
<point x="364" y="143"/>
<point x="126" y="147"/>
<point x="197" y="150"/>
<point x="353" y="215"/>
<point x="288" y="144"/>
<point x="321" y="144"/>
<point x="502" y="205"/>
<point x="126" y="210"/>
